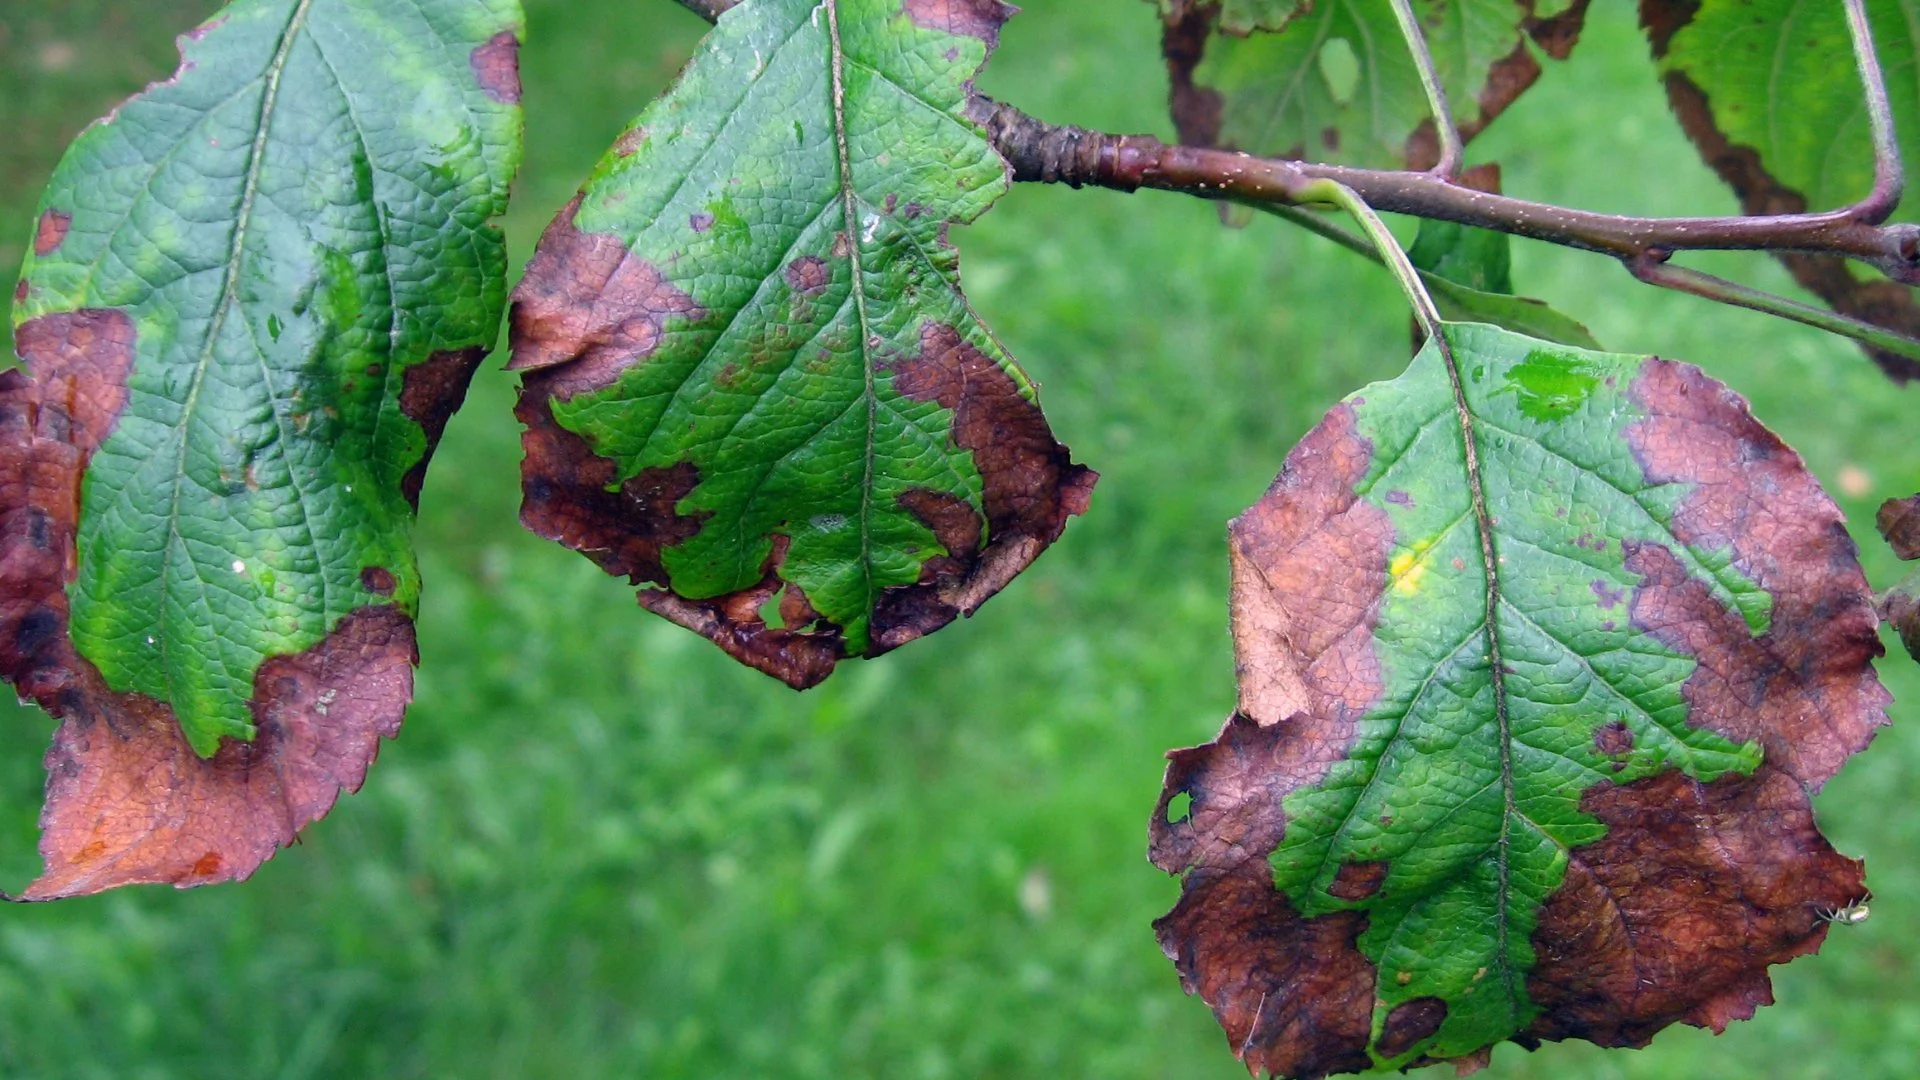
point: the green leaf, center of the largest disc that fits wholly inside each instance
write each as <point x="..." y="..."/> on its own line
<point x="1333" y="80"/>
<point x="1779" y="78"/>
<point x="751" y="369"/>
<point x="1769" y="93"/>
<point x="1468" y="271"/>
<point x="256" y="293"/>
<point x="1523" y="746"/>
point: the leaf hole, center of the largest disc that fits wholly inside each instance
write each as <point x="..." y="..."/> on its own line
<point x="1179" y="808"/>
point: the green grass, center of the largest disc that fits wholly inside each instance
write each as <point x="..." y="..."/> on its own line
<point x="601" y="849"/>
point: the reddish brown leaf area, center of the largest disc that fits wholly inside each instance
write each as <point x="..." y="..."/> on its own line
<point x="128" y="801"/>
<point x="1507" y="79"/>
<point x="973" y="18"/>
<point x="587" y="302"/>
<point x="51" y="231"/>
<point x="1294" y="996"/>
<point x="1676" y="913"/>
<point x="1899" y="522"/>
<point x="430" y="393"/>
<point x="1806" y="688"/>
<point x="1029" y="484"/>
<point x="1878" y="301"/>
<point x="496" y="64"/>
<point x="1303" y="630"/>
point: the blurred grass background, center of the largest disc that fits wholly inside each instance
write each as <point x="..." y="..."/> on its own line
<point x="601" y="849"/>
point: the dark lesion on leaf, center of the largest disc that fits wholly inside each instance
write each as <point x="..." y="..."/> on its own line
<point x="496" y="64"/>
<point x="1409" y="1023"/>
<point x="51" y="232"/>
<point x="1899" y="522"/>
<point x="1805" y="689"/>
<point x="128" y="800"/>
<point x="1675" y="914"/>
<point x="430" y="393"/>
<point x="590" y="307"/>
<point x="969" y="18"/>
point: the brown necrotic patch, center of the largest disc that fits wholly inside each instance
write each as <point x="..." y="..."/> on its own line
<point x="808" y="274"/>
<point x="1409" y="1023"/>
<point x="430" y="393"/>
<point x="1303" y="637"/>
<point x="51" y="232"/>
<point x="970" y="18"/>
<point x="589" y="306"/>
<point x="496" y="64"/>
<point x="1029" y="487"/>
<point x="1805" y="689"/>
<point x="1899" y="522"/>
<point x="1676" y="913"/>
<point x="128" y="801"/>
<point x="1294" y="995"/>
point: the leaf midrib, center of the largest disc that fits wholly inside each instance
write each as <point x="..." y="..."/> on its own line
<point x="836" y="54"/>
<point x="229" y="297"/>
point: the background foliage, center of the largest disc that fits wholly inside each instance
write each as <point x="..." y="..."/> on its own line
<point x="600" y="849"/>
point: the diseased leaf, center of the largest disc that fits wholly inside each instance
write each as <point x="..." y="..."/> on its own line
<point x="1333" y="80"/>
<point x="1525" y="738"/>
<point x="1469" y="274"/>
<point x="1769" y="94"/>
<point x="1899" y="521"/>
<point x="751" y="372"/>
<point x="257" y="292"/>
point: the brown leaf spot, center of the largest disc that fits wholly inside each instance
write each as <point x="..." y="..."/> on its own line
<point x="1357" y="881"/>
<point x="954" y="521"/>
<point x="1029" y="484"/>
<point x="496" y="63"/>
<point x="1899" y="522"/>
<point x="700" y="222"/>
<point x="1806" y="688"/>
<point x="630" y="141"/>
<point x="430" y="393"/>
<point x="972" y="18"/>
<point x="51" y="231"/>
<point x="808" y="274"/>
<point x="1608" y="597"/>
<point x="20" y="291"/>
<point x="1399" y="498"/>
<point x="1409" y="1022"/>
<point x="1613" y="739"/>
<point x="587" y="302"/>
<point x="378" y="579"/>
<point x="1183" y="41"/>
<point x="1294" y="995"/>
<point x="1676" y="913"/>
<point x="129" y="802"/>
<point x="1304" y="637"/>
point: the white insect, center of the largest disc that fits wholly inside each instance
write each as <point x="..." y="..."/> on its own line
<point x="1852" y="914"/>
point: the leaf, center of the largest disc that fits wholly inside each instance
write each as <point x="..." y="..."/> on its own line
<point x="1899" y="522"/>
<point x="1242" y="17"/>
<point x="257" y="292"/>
<point x="1336" y="82"/>
<point x="1567" y="798"/>
<point x="1768" y="92"/>
<point x="751" y="371"/>
<point x="1468" y="272"/>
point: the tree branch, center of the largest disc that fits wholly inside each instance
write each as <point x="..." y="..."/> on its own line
<point x="1047" y="153"/>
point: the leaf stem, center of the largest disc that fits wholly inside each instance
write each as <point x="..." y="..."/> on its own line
<point x="1444" y="128"/>
<point x="1388" y="248"/>
<point x="1889" y="178"/>
<point x="1658" y="272"/>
